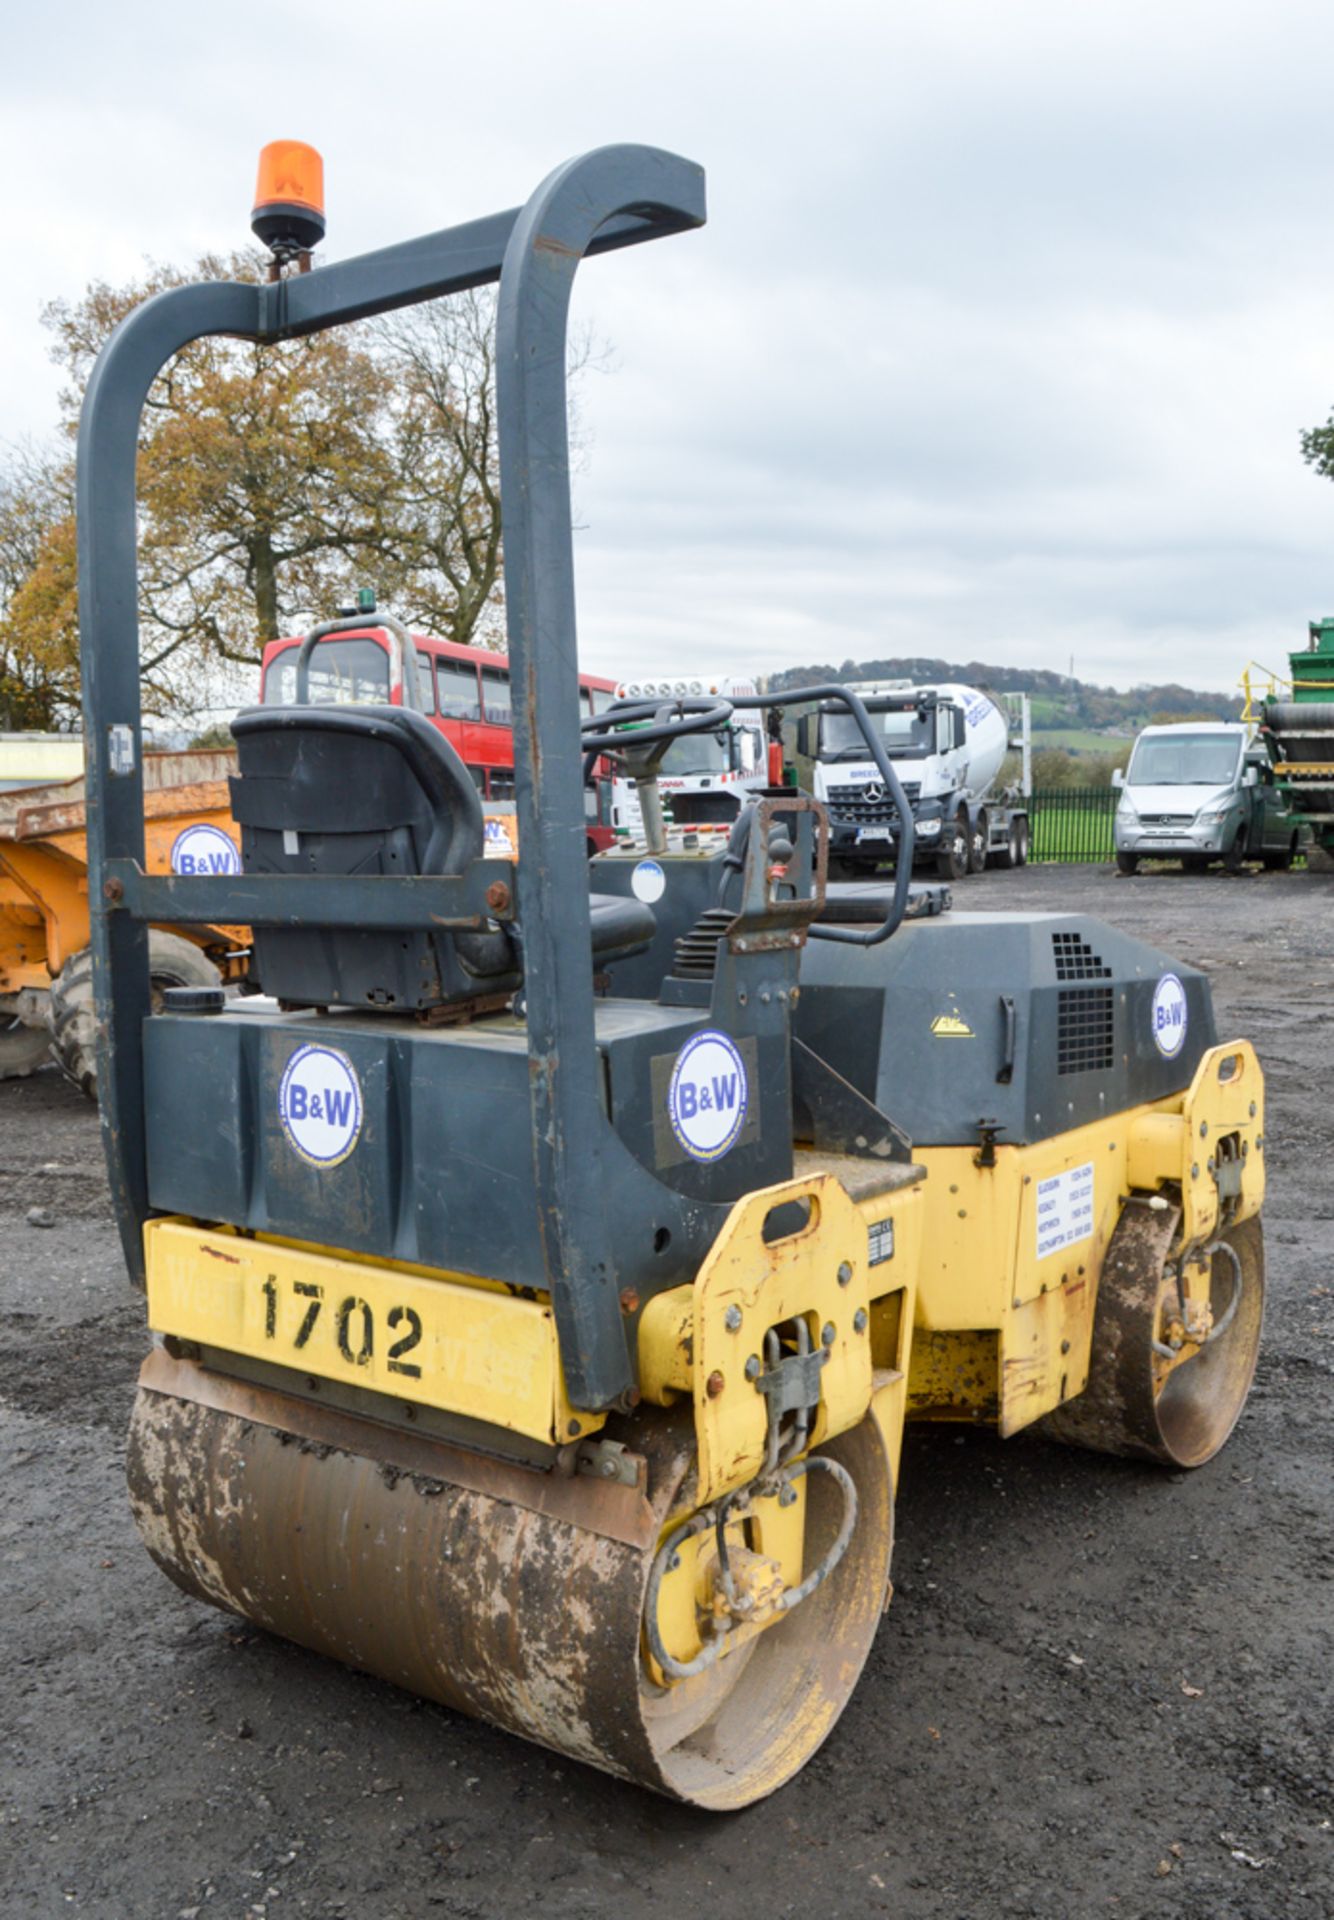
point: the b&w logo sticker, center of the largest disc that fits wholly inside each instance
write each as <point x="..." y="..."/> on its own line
<point x="203" y="849"/>
<point x="319" y="1104"/>
<point x="708" y="1096"/>
<point x="648" y="882"/>
<point x="1169" y="1016"/>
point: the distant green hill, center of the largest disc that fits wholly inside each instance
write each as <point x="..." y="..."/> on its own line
<point x="1082" y="717"/>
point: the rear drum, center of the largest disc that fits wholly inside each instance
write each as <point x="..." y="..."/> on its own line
<point x="1176" y="1406"/>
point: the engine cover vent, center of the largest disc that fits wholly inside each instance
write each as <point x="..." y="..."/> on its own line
<point x="1076" y="960"/>
<point x="1084" y="1034"/>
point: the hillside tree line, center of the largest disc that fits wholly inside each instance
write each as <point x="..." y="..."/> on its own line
<point x="1065" y="703"/>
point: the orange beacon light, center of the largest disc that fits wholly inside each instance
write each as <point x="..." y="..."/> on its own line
<point x="289" y="198"/>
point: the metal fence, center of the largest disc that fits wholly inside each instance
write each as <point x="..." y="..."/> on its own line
<point x="1072" y="823"/>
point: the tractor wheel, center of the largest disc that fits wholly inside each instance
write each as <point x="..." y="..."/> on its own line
<point x="22" y="1049"/>
<point x="172" y="962"/>
<point x="979" y="838"/>
<point x="952" y="861"/>
<point x="1235" y="857"/>
<point x="1127" y="863"/>
<point x="1280" y="861"/>
<point x="1153" y="1392"/>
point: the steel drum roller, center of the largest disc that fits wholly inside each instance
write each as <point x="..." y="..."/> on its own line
<point x="263" y="1505"/>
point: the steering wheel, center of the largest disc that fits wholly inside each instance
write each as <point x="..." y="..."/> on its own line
<point x="670" y="719"/>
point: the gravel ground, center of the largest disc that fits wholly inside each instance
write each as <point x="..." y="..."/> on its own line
<point x="1100" y="1690"/>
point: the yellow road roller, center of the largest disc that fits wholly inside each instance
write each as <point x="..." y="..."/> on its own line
<point x="542" y="1269"/>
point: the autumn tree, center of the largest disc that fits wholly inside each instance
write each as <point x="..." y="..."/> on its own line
<point x="271" y="480"/>
<point x="263" y="472"/>
<point x="39" y="645"/>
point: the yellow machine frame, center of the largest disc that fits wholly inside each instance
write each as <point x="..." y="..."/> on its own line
<point x="966" y="1321"/>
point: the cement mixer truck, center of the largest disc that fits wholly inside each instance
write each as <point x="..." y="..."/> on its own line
<point x="947" y="744"/>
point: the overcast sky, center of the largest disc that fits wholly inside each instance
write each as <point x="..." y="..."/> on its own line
<point x="997" y="344"/>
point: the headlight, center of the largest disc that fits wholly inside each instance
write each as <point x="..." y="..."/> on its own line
<point x="927" y="829"/>
<point x="1208" y="815"/>
<point x="1126" y="812"/>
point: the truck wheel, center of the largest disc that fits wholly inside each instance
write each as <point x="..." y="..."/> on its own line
<point x="978" y="840"/>
<point x="172" y="962"/>
<point x="1127" y="863"/>
<point x="22" y="1049"/>
<point x="952" y="860"/>
<point x="1015" y="851"/>
<point x="1280" y="862"/>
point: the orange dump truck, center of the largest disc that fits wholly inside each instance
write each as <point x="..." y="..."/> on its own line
<point x="46" y="985"/>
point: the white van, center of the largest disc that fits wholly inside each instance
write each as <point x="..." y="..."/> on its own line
<point x="1198" y="792"/>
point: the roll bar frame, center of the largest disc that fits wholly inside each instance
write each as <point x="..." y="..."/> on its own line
<point x="613" y="197"/>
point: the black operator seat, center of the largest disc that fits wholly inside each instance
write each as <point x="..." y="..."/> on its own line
<point x="351" y="791"/>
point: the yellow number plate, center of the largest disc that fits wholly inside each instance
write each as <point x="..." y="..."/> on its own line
<point x="441" y="1343"/>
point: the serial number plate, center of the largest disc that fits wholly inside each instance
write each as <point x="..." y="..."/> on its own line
<point x="879" y="1242"/>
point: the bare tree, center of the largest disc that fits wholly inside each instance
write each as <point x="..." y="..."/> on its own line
<point x="448" y="540"/>
<point x="447" y="523"/>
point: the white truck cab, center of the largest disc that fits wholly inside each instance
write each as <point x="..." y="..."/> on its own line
<point x="704" y="777"/>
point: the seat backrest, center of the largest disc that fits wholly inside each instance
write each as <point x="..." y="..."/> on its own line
<point x="361" y="790"/>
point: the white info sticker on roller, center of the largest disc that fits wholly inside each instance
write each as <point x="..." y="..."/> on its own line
<point x="1065" y="1209"/>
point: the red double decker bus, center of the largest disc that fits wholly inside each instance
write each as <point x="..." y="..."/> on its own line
<point x="465" y="692"/>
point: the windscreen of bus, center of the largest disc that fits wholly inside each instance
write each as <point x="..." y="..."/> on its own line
<point x="1184" y="760"/>
<point x="343" y="673"/>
